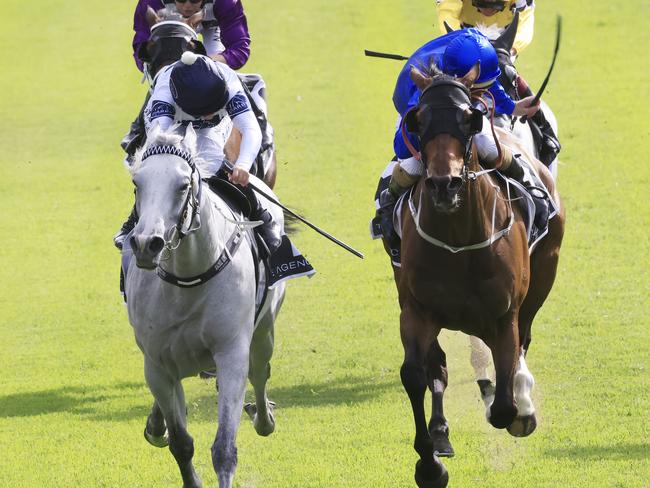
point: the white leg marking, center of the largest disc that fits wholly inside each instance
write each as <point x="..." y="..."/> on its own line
<point x="523" y="386"/>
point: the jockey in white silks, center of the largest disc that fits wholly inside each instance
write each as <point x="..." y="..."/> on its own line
<point x="208" y="94"/>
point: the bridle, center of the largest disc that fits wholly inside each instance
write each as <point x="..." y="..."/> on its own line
<point x="449" y="113"/>
<point x="191" y="207"/>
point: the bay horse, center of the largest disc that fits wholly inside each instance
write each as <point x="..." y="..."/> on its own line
<point x="191" y="289"/>
<point x="172" y="35"/>
<point x="465" y="266"/>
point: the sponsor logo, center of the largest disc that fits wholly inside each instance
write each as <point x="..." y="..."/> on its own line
<point x="237" y="105"/>
<point x="161" y="109"/>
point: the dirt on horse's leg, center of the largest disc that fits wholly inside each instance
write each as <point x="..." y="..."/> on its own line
<point x="417" y="337"/>
<point x="170" y="397"/>
<point x="505" y="353"/>
<point x="437" y="382"/>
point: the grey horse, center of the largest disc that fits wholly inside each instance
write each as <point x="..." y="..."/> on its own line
<point x="192" y="321"/>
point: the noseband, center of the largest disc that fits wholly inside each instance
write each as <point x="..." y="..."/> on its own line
<point x="185" y="223"/>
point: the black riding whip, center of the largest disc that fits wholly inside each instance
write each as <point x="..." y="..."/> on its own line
<point x="376" y="54"/>
<point x="306" y="222"/>
<point x="538" y="96"/>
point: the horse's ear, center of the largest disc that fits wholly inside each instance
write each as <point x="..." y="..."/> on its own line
<point x="448" y="28"/>
<point x="197" y="47"/>
<point x="152" y="17"/>
<point x="472" y="75"/>
<point x="194" y="20"/>
<point x="144" y="53"/>
<point x="419" y="78"/>
<point x="507" y="39"/>
<point x="189" y="139"/>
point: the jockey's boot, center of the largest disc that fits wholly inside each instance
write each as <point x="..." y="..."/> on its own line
<point x="269" y="231"/>
<point x="137" y="134"/>
<point x="400" y="182"/>
<point x="127" y="226"/>
<point x="512" y="167"/>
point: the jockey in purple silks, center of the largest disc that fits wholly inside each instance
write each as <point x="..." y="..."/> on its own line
<point x="224" y="28"/>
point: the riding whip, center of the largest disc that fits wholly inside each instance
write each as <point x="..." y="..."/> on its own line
<point x="227" y="166"/>
<point x="306" y="222"/>
<point x="376" y="54"/>
<point x="558" y="32"/>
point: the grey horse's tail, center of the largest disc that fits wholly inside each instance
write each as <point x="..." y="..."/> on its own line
<point x="290" y="223"/>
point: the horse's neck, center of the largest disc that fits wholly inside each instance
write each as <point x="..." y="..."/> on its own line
<point x="200" y="248"/>
<point x="472" y="221"/>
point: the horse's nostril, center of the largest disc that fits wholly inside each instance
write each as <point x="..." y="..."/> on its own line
<point x="156" y="244"/>
<point x="455" y="184"/>
<point x="134" y="243"/>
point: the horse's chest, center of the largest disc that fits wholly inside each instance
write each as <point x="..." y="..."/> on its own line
<point x="458" y="298"/>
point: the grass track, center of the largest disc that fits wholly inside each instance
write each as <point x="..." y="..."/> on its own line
<point x="72" y="395"/>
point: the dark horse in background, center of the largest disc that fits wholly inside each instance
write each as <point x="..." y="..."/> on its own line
<point x="466" y="266"/>
<point x="169" y="40"/>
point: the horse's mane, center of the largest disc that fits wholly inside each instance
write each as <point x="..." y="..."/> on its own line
<point x="158" y="137"/>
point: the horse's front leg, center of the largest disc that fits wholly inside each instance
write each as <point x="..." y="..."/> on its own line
<point x="504" y="344"/>
<point x="170" y="398"/>
<point x="417" y="338"/>
<point x="437" y="381"/>
<point x="232" y="369"/>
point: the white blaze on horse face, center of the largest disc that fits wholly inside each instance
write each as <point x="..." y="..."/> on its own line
<point x="523" y="386"/>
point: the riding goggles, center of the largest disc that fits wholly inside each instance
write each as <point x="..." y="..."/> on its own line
<point x="498" y="5"/>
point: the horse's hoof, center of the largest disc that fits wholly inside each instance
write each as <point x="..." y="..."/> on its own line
<point x="523" y="426"/>
<point x="157" y="441"/>
<point x="262" y="428"/>
<point x="431" y="476"/>
<point x="501" y="418"/>
<point x="441" y="445"/>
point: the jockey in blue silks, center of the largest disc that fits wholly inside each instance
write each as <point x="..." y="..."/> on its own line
<point x="454" y="54"/>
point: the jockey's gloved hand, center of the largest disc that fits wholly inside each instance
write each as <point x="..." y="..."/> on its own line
<point x="524" y="107"/>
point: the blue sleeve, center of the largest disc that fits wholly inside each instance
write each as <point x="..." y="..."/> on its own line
<point x="503" y="103"/>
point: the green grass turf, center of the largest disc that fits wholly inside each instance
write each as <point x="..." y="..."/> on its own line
<point x="72" y="395"/>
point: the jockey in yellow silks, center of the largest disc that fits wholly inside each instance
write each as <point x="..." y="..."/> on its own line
<point x="489" y="14"/>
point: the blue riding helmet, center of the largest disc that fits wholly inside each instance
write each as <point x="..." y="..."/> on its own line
<point x="197" y="86"/>
<point x="465" y="51"/>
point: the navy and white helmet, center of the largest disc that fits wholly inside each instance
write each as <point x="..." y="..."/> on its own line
<point x="197" y="86"/>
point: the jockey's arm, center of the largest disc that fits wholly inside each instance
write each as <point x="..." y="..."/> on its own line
<point x="449" y="11"/>
<point x="526" y="27"/>
<point x="243" y="119"/>
<point x="234" y="32"/>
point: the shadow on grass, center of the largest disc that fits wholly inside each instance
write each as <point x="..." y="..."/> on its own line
<point x="612" y="451"/>
<point x="92" y="402"/>
<point x="338" y="391"/>
<point x="106" y="403"/>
